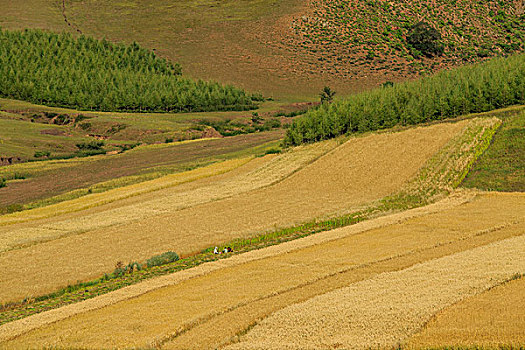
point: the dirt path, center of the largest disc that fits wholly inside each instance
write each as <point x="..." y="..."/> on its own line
<point x="72" y="25"/>
<point x="233" y="293"/>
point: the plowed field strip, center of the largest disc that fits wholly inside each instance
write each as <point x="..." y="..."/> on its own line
<point x="486" y="320"/>
<point x="385" y="310"/>
<point x="355" y="174"/>
<point x="144" y="319"/>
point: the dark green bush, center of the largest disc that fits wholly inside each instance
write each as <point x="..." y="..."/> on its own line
<point x="162" y="259"/>
<point x="3" y="182"/>
<point x="426" y="39"/>
<point x="41" y="154"/>
<point x="90" y="146"/>
<point x="470" y="89"/>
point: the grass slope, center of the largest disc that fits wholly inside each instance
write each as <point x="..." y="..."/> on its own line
<point x="262" y="45"/>
<point x="502" y="166"/>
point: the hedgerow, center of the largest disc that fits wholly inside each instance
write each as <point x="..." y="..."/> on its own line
<point x="88" y="74"/>
<point x="477" y="88"/>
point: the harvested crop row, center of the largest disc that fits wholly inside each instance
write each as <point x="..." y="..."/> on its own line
<point x="361" y="171"/>
<point x="385" y="310"/>
<point x="159" y="196"/>
<point x="487" y="320"/>
<point x="144" y="319"/>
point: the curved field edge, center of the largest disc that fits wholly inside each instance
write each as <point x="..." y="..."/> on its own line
<point x="437" y="178"/>
<point x="141" y="163"/>
<point x="20" y="324"/>
<point x="486" y="320"/>
<point x="110" y="196"/>
<point x="387" y="309"/>
<point x="255" y="272"/>
<point x="502" y="168"/>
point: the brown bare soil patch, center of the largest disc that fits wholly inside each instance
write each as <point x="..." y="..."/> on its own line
<point x="219" y="302"/>
<point x="360" y="171"/>
<point x="84" y="174"/>
<point x="488" y="320"/>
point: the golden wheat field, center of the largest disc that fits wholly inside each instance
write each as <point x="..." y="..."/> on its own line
<point x="488" y="319"/>
<point x="187" y="218"/>
<point x="385" y="276"/>
<point x="140" y="201"/>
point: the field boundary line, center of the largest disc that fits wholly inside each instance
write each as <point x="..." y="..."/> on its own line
<point x="478" y="285"/>
<point x="16" y="328"/>
<point x="515" y="277"/>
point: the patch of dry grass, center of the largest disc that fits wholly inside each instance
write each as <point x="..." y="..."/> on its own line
<point x="488" y="319"/>
<point x="98" y="199"/>
<point x="151" y="198"/>
<point x="313" y="265"/>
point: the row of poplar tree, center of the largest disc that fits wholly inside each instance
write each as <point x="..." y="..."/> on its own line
<point x="88" y="74"/>
<point x="494" y="84"/>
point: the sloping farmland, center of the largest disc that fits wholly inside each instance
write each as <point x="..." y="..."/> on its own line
<point x="351" y="176"/>
<point x="419" y="261"/>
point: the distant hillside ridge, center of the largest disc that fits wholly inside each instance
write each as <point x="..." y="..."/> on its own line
<point x="355" y="38"/>
<point x="482" y="87"/>
<point x="88" y="74"/>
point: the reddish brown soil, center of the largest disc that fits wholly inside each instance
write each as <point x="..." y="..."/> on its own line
<point x="82" y="175"/>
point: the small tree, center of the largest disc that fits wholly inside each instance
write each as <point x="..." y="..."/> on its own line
<point x="327" y="95"/>
<point x="426" y="39"/>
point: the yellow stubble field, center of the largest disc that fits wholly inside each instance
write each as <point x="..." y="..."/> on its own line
<point x="489" y="319"/>
<point x="370" y="263"/>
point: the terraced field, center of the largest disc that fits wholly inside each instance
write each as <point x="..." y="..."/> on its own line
<point x="350" y="177"/>
<point x="469" y="242"/>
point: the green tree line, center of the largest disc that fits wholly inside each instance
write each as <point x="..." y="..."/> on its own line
<point x="88" y="74"/>
<point x="494" y="84"/>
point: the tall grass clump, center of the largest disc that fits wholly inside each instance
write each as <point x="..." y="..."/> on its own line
<point x="477" y="88"/>
<point x="162" y="259"/>
<point x="89" y="74"/>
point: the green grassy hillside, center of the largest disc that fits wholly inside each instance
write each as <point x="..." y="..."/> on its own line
<point x="354" y="37"/>
<point x="502" y="166"/>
